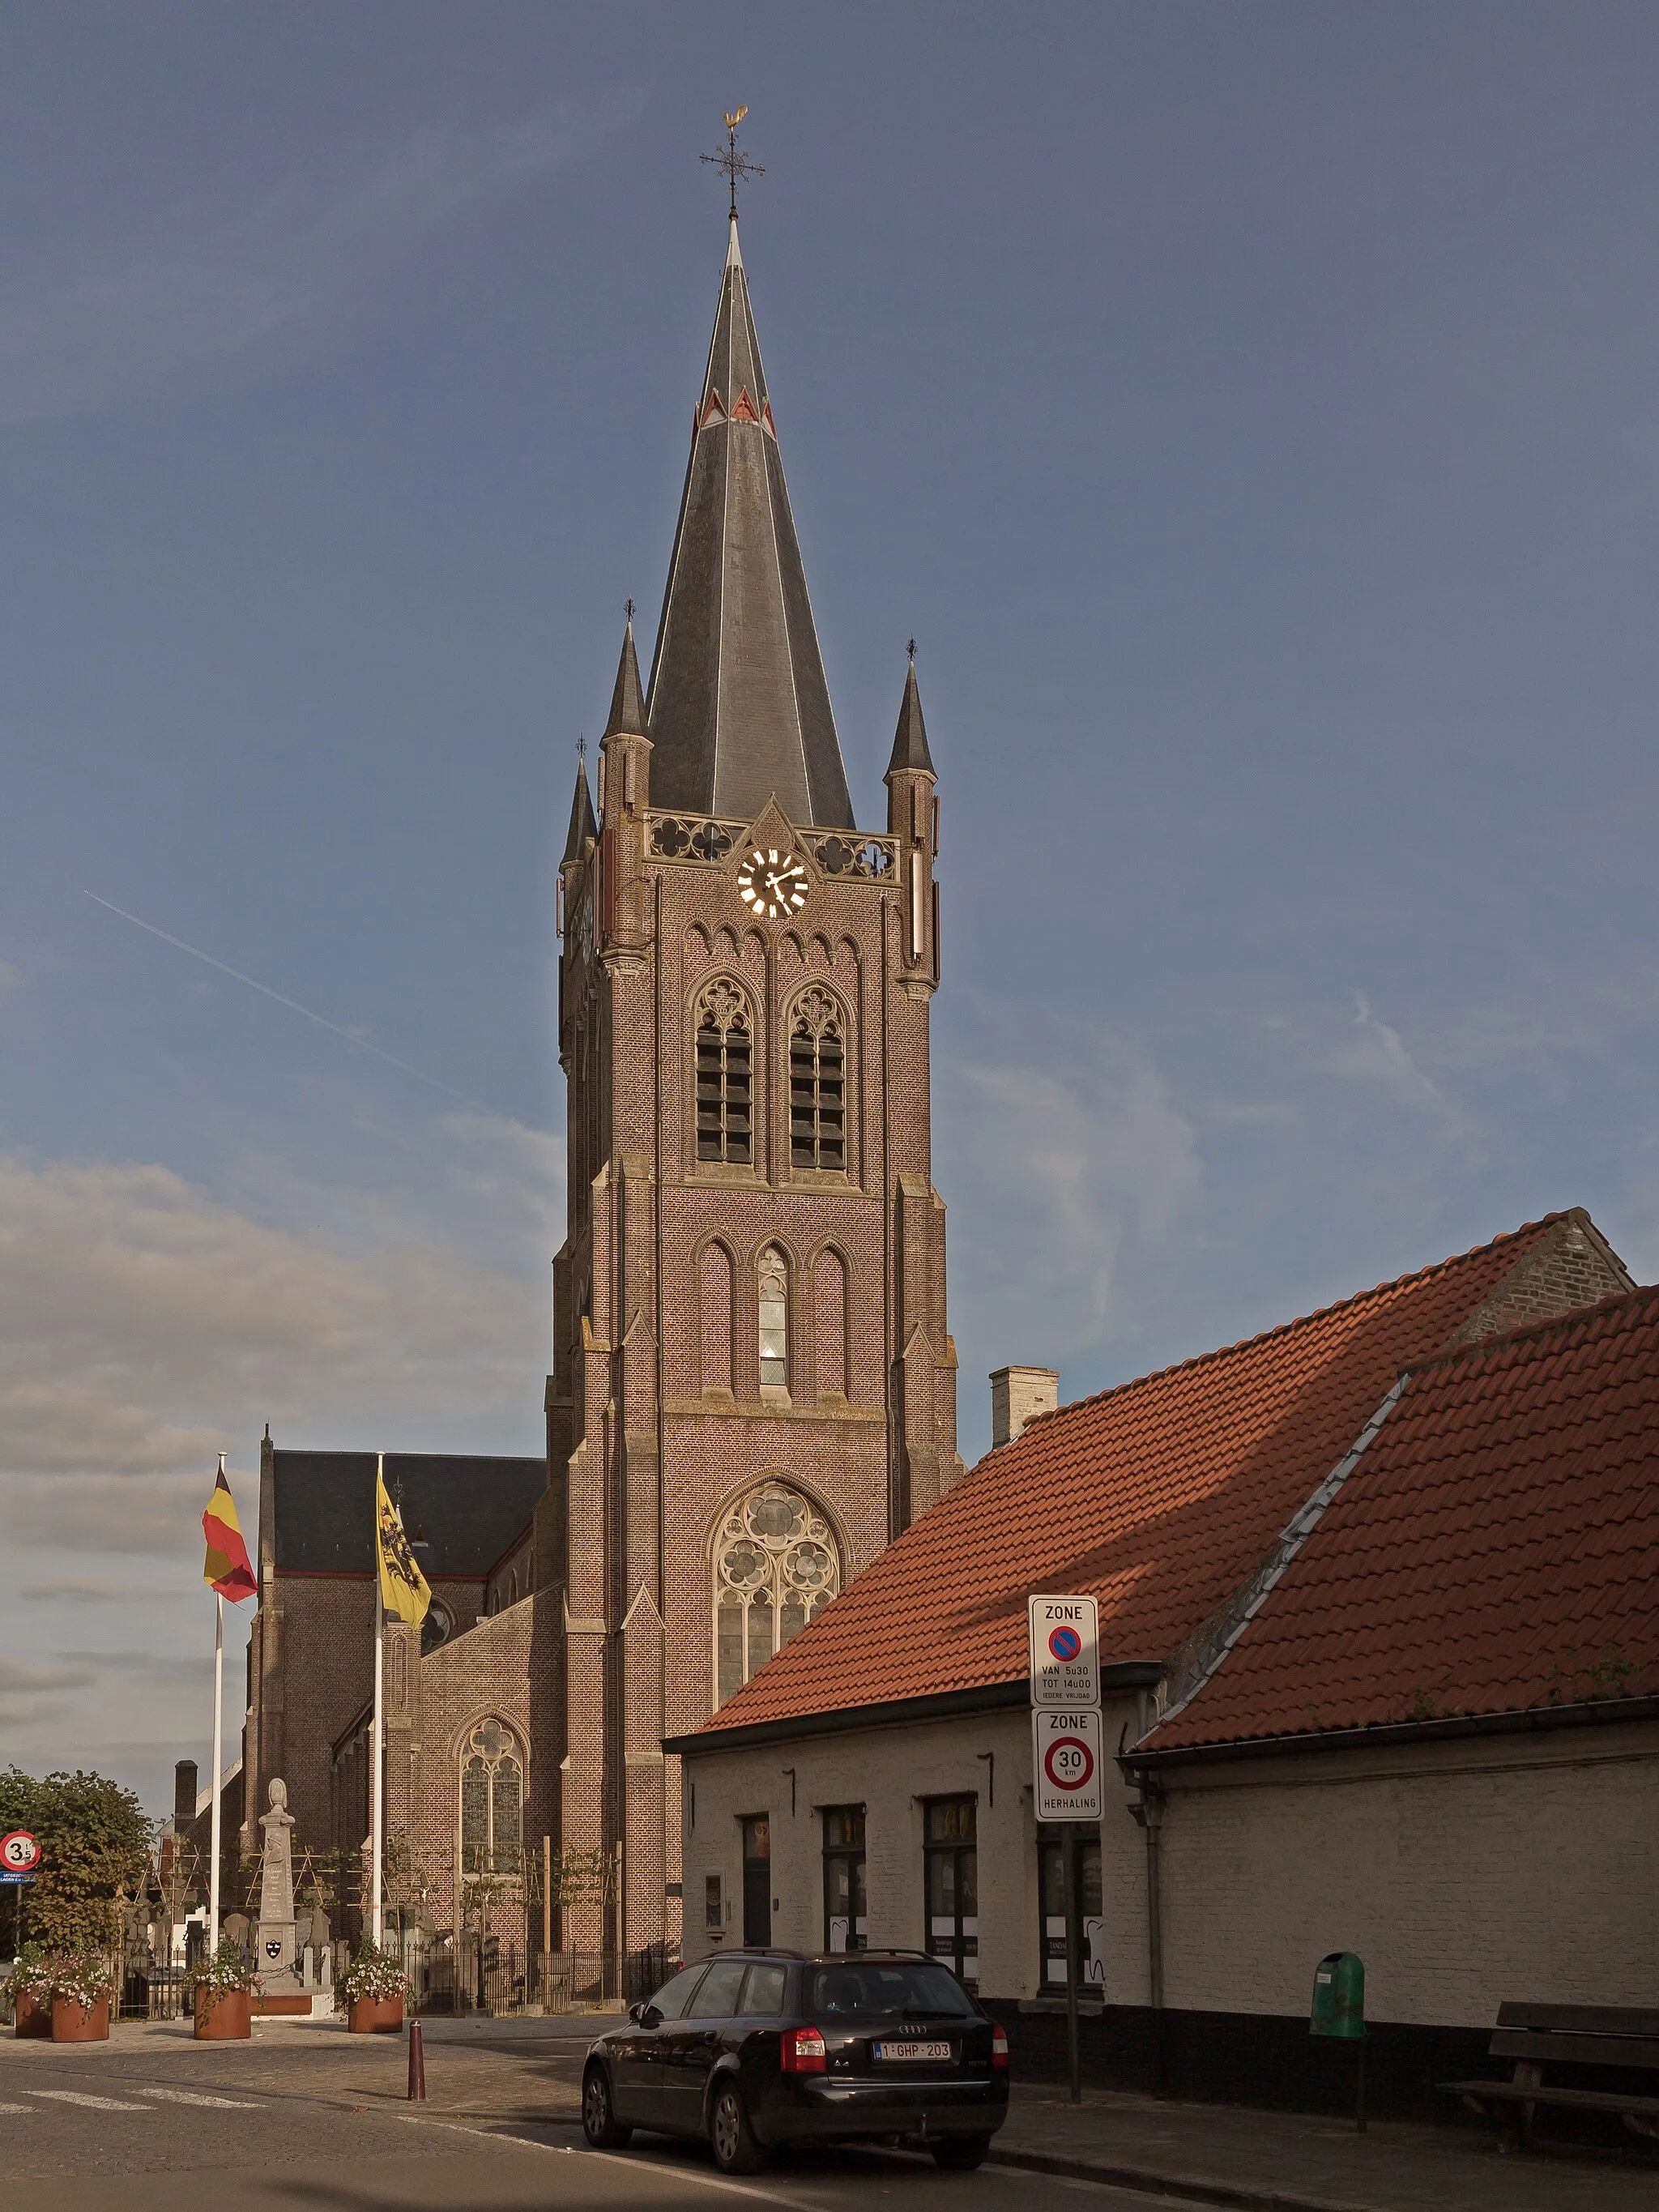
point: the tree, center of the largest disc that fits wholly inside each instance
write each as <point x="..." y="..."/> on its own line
<point x="95" y="1841"/>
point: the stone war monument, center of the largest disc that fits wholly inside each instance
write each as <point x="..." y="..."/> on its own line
<point x="276" y="1944"/>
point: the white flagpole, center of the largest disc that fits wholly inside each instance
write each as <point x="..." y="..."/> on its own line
<point x="218" y="1738"/>
<point x="376" y="1808"/>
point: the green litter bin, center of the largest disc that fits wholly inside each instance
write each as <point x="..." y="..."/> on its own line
<point x="1338" y="1995"/>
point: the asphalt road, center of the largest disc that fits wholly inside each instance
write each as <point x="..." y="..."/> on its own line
<point x="151" y="2122"/>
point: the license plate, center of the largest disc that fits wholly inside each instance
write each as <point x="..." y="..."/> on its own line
<point x="913" y="2050"/>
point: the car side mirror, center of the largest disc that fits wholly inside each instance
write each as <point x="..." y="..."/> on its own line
<point x="634" y="2011"/>
<point x="651" y="2017"/>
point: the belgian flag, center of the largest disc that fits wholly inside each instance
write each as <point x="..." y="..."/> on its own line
<point x="228" y="1568"/>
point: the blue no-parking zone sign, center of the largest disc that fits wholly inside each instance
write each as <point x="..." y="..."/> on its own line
<point x="1065" y="1652"/>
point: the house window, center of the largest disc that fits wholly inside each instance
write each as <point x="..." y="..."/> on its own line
<point x="951" y="1884"/>
<point x="817" y="1088"/>
<point x="774" y="1320"/>
<point x="713" y="1909"/>
<point x="776" y="1566"/>
<point x="492" y="1802"/>
<point x="846" y="1923"/>
<point x="725" y="1073"/>
<point x="1090" y="1926"/>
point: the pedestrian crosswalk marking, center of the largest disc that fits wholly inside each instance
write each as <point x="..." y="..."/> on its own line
<point x="100" y="2104"/>
<point x="196" y="2097"/>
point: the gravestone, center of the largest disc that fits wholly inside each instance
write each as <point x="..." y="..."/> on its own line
<point x="276" y="1954"/>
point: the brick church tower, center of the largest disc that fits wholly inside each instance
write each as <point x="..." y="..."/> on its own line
<point x="754" y="1390"/>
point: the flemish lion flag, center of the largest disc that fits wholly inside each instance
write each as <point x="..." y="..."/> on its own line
<point x="402" y="1586"/>
<point x="228" y="1568"/>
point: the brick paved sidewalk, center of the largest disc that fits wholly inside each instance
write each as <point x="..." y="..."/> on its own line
<point x="1290" y="2163"/>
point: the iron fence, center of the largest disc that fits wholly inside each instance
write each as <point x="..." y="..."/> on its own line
<point x="470" y="1975"/>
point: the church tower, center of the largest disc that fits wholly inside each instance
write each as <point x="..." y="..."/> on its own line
<point x="754" y="1390"/>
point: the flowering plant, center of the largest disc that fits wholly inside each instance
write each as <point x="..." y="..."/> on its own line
<point x="371" y="1974"/>
<point x="227" y="1969"/>
<point x="83" y="1976"/>
<point x="29" y="1971"/>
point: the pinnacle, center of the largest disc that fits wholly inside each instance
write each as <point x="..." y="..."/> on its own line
<point x="626" y="702"/>
<point x="910" y="739"/>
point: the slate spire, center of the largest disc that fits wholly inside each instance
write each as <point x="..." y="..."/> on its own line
<point x="738" y="706"/>
<point x="628" y="718"/>
<point x="582" y="823"/>
<point x="910" y="739"/>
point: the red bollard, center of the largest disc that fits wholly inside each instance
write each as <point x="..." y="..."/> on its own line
<point x="417" y="2065"/>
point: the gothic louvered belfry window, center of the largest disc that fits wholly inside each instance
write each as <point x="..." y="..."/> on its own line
<point x="725" y="1076"/>
<point x="817" y="1085"/>
<point x="776" y="1566"/>
<point x="492" y="1802"/>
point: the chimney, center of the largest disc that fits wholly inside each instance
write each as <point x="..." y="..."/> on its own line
<point x="184" y="1794"/>
<point x="1018" y="1394"/>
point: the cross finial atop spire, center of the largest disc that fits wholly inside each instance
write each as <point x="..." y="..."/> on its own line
<point x="581" y="746"/>
<point x="735" y="166"/>
<point x="628" y="603"/>
<point x="911" y="650"/>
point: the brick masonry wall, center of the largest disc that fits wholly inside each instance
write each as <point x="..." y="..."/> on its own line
<point x="653" y="1442"/>
<point x="1461" y="1872"/>
<point x="1572" y="1267"/>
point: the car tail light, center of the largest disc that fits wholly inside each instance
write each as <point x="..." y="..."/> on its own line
<point x="804" y="2050"/>
<point x="999" y="2050"/>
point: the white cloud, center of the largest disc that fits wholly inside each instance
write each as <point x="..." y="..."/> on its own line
<point x="1076" y="1157"/>
<point x="145" y="1326"/>
<point x="84" y="1589"/>
<point x="1374" y="1053"/>
<point x="306" y="256"/>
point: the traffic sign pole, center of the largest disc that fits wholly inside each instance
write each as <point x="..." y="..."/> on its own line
<point x="1066" y="1759"/>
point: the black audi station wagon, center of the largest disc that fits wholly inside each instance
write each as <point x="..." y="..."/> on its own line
<point x="759" y="2049"/>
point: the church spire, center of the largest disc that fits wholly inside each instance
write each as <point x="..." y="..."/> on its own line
<point x="738" y="706"/>
<point x="582" y="823"/>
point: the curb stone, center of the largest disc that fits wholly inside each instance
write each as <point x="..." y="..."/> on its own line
<point x="1191" y="2189"/>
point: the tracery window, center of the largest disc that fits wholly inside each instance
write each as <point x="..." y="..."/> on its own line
<point x="776" y="1566"/>
<point x="774" y="1320"/>
<point x="818" y="1108"/>
<point x="724" y="1075"/>
<point x="492" y="1802"/>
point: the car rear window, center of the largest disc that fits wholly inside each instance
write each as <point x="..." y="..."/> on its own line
<point x="717" y="1992"/>
<point x="762" y="1993"/>
<point x="885" y="1991"/>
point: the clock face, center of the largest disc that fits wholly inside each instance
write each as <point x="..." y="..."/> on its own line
<point x="773" y="884"/>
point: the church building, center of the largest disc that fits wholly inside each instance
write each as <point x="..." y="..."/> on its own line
<point x="753" y="1386"/>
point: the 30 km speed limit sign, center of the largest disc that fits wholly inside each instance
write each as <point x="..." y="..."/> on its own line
<point x="1066" y="1763"/>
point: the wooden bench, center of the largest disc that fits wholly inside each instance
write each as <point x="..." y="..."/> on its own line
<point x="1537" y="2036"/>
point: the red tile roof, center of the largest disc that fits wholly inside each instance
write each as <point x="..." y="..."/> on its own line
<point x="1496" y="1549"/>
<point x="1160" y="1497"/>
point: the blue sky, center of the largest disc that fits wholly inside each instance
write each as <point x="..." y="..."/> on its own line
<point x="1252" y="412"/>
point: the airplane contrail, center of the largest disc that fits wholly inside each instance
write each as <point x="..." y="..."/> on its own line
<point x="293" y="1005"/>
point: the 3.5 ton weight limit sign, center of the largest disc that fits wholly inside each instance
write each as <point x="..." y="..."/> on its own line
<point x="1065" y="1761"/>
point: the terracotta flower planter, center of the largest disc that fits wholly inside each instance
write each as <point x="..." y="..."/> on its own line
<point x="375" y="2016"/>
<point x="74" y="2022"/>
<point x="223" y="2016"/>
<point x="31" y="2013"/>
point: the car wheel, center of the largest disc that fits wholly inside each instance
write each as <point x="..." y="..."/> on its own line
<point x="961" y="2154"/>
<point x="603" y="2131"/>
<point x="736" y="2150"/>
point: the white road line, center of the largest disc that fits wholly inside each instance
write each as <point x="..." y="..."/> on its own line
<point x="16" y="2108"/>
<point x="195" y="2097"/>
<point x="99" y="2104"/>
